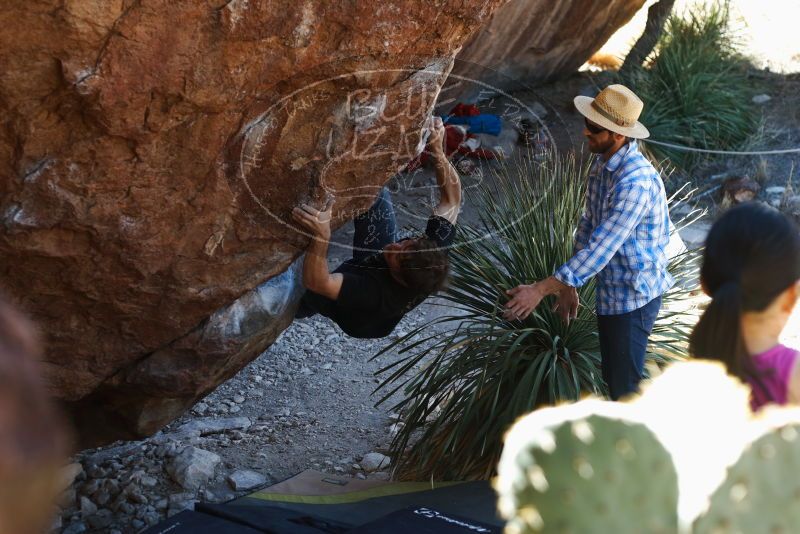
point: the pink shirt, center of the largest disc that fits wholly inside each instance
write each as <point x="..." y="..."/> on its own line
<point x="776" y="366"/>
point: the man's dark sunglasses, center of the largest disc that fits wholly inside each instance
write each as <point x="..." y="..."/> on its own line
<point x="593" y="128"/>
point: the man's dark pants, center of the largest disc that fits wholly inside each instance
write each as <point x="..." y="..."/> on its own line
<point x="623" y="344"/>
<point x="374" y="229"/>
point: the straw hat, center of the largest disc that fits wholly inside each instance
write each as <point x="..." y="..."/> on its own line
<point x="615" y="108"/>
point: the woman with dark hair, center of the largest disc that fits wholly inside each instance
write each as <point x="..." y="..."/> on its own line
<point x="751" y="271"/>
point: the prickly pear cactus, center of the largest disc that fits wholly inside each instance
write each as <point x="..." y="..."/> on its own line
<point x="762" y="490"/>
<point x="593" y="474"/>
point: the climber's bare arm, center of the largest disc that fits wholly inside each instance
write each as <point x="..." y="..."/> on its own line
<point x="316" y="276"/>
<point x="447" y="177"/>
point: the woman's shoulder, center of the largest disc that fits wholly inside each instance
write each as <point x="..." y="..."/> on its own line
<point x="782" y="351"/>
<point x="778" y="356"/>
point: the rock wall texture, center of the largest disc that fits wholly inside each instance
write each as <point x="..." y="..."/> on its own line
<point x="150" y="152"/>
<point x="538" y="40"/>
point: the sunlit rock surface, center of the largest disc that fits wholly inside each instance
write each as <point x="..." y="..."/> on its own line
<point x="539" y="40"/>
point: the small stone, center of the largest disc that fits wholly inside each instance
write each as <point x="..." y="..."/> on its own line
<point x="95" y="471"/>
<point x="102" y="519"/>
<point x="148" y="481"/>
<point x="176" y="498"/>
<point x="327" y="366"/>
<point x="761" y="99"/>
<point x="69" y="474"/>
<point x="215" y="426"/>
<point x="361" y="476"/>
<point x="178" y="507"/>
<point x="111" y="486"/>
<point x="244" y="480"/>
<point x="200" y="408"/>
<point x="234" y="409"/>
<point x="87" y="507"/>
<point x="138" y="524"/>
<point x="374" y="461"/>
<point x="151" y="518"/>
<point x="67" y="498"/>
<point x="75" y="528"/>
<point x="101" y="497"/>
<point x="110" y="454"/>
<point x="224" y="495"/>
<point x="193" y="467"/>
<point x="138" y="498"/>
<point x="238" y="399"/>
<point x="90" y="487"/>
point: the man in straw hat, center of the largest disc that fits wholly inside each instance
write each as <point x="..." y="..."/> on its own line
<point x="621" y="239"/>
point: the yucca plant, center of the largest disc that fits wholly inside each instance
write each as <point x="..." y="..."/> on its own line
<point x="480" y="372"/>
<point x="695" y="89"/>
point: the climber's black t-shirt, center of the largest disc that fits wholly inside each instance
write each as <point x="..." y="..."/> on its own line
<point x="371" y="302"/>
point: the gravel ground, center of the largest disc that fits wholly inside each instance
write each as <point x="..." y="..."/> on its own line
<point x="305" y="403"/>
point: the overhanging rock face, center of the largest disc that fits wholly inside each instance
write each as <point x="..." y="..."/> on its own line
<point x="144" y="395"/>
<point x="150" y="154"/>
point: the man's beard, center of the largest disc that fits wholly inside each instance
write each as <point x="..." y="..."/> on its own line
<point x="602" y="148"/>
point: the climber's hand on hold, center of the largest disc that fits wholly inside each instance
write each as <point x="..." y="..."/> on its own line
<point x="318" y="222"/>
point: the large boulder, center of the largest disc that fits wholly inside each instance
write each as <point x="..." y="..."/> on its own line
<point x="150" y="153"/>
<point x="539" y="40"/>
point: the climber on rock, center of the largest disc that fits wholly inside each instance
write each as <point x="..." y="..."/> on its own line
<point x="386" y="278"/>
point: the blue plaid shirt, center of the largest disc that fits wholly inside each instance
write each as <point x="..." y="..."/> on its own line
<point x="623" y="234"/>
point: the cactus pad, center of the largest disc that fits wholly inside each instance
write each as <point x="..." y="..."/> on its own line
<point x="592" y="474"/>
<point x="762" y="490"/>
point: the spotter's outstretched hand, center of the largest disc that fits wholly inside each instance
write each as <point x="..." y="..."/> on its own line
<point x="525" y="299"/>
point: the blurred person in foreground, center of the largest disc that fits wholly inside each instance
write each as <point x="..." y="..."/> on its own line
<point x="33" y="439"/>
